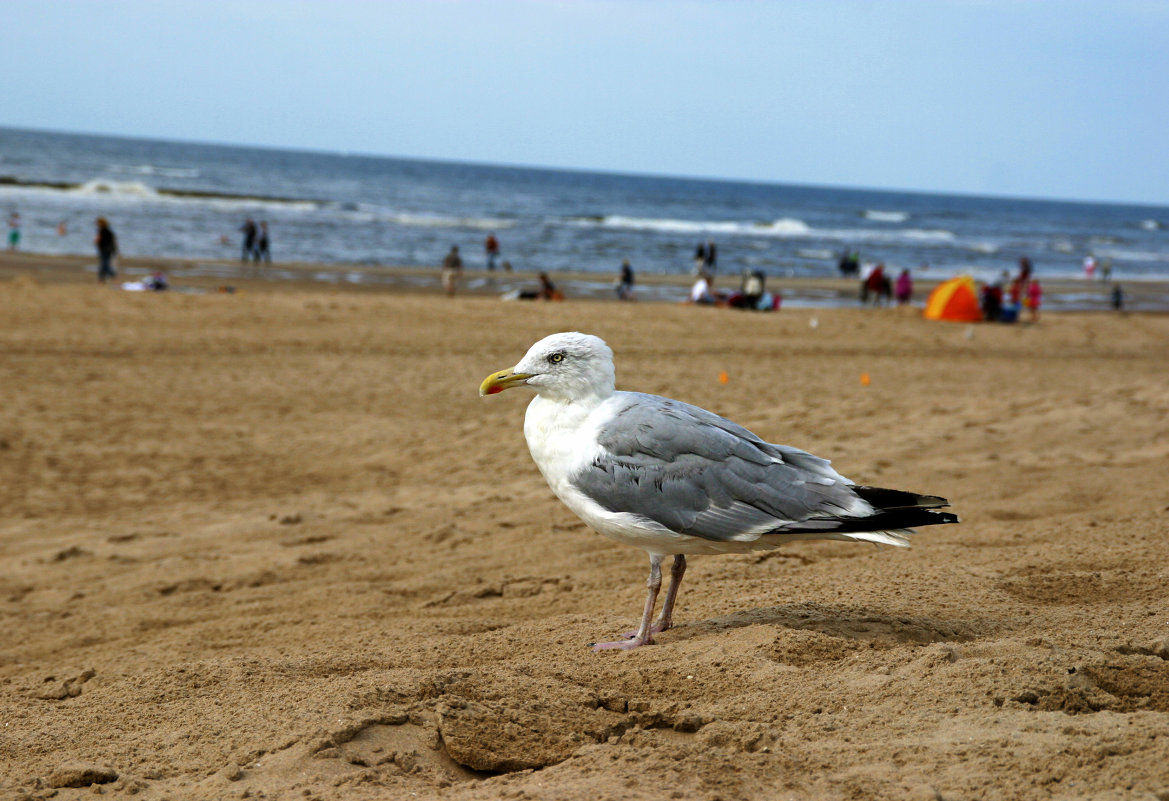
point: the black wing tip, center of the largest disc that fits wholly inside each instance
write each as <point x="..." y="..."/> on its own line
<point x="890" y="499"/>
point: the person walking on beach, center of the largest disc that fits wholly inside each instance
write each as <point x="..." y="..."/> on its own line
<point x="491" y="248"/>
<point x="107" y="249"/>
<point x="263" y="252"/>
<point x="249" y="245"/>
<point x="1034" y="298"/>
<point x="14" y="230"/>
<point x="452" y="271"/>
<point x="904" y="289"/>
<point x="625" y="282"/>
<point x="699" y="258"/>
<point x="875" y="287"/>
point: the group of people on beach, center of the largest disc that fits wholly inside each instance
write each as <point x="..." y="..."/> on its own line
<point x="878" y="289"/>
<point x="452" y="272"/>
<point x="256" y="244"/>
<point x="1003" y="300"/>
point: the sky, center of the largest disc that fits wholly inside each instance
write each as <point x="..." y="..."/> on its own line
<point x="1060" y="99"/>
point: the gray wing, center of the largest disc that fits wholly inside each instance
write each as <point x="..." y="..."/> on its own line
<point x="699" y="474"/>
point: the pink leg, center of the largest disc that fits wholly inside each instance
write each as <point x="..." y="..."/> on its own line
<point x="665" y="620"/>
<point x="644" y="634"/>
<point x="677" y="570"/>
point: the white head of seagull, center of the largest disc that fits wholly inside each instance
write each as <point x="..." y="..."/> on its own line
<point x="562" y="367"/>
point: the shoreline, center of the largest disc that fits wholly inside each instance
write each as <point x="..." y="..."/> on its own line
<point x="1150" y="295"/>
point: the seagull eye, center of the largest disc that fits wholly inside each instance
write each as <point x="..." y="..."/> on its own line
<point x="556" y="358"/>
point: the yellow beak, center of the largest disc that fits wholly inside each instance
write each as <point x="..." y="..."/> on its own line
<point x="498" y="382"/>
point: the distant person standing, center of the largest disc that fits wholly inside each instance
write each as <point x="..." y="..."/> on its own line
<point x="107" y="248"/>
<point x="711" y="257"/>
<point x="700" y="258"/>
<point x="452" y="271"/>
<point x="249" y="245"/>
<point x="875" y="287"/>
<point x="1034" y="298"/>
<point x="1117" y="297"/>
<point x="904" y="289"/>
<point x="14" y="230"/>
<point x="1019" y="284"/>
<point x="491" y="248"/>
<point x="625" y="282"/>
<point x="263" y="249"/>
<point x="850" y="263"/>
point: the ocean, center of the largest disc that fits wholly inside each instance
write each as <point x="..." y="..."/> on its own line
<point x="188" y="201"/>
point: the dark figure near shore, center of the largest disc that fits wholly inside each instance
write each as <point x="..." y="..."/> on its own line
<point x="1117" y="297"/>
<point x="263" y="250"/>
<point x="992" y="302"/>
<point x="700" y="258"/>
<point x="850" y="263"/>
<point x="249" y="244"/>
<point x="625" y="282"/>
<point x="711" y="257"/>
<point x="107" y="247"/>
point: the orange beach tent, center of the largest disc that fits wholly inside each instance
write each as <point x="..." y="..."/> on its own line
<point x="956" y="300"/>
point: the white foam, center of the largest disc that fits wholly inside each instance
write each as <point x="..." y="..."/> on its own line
<point x="786" y="226"/>
<point x="783" y="228"/>
<point x="1117" y="254"/>
<point x="816" y="253"/>
<point x="667" y="225"/>
<point x="134" y="190"/>
<point x="440" y="221"/>
<point x="152" y="169"/>
<point x="876" y="215"/>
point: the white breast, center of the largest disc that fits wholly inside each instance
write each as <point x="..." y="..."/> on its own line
<point x="563" y="440"/>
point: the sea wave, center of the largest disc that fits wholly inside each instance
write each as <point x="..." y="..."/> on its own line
<point x="663" y="225"/>
<point x="442" y="221"/>
<point x="153" y="169"/>
<point x="129" y="192"/>
<point x="783" y="228"/>
<point x="876" y="215"/>
<point x="1119" y="254"/>
<point x="821" y="254"/>
<point x="134" y="190"/>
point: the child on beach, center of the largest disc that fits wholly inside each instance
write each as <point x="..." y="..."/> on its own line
<point x="14" y="230"/>
<point x="1034" y="298"/>
<point x="452" y="270"/>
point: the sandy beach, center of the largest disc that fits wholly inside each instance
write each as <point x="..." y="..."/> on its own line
<point x="273" y="544"/>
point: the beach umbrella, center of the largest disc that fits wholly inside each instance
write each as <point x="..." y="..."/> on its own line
<point x="956" y="299"/>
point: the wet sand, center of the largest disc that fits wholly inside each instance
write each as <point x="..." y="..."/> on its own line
<point x="273" y="544"/>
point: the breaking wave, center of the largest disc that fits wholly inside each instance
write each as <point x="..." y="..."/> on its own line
<point x="886" y="216"/>
<point x="784" y="228"/>
<point x="152" y="169"/>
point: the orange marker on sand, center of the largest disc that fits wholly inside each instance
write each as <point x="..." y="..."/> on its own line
<point x="865" y="380"/>
<point x="723" y="377"/>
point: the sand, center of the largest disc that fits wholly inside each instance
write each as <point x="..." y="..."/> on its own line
<point x="273" y="544"/>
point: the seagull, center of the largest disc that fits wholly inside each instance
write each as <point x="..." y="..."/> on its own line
<point x="677" y="480"/>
